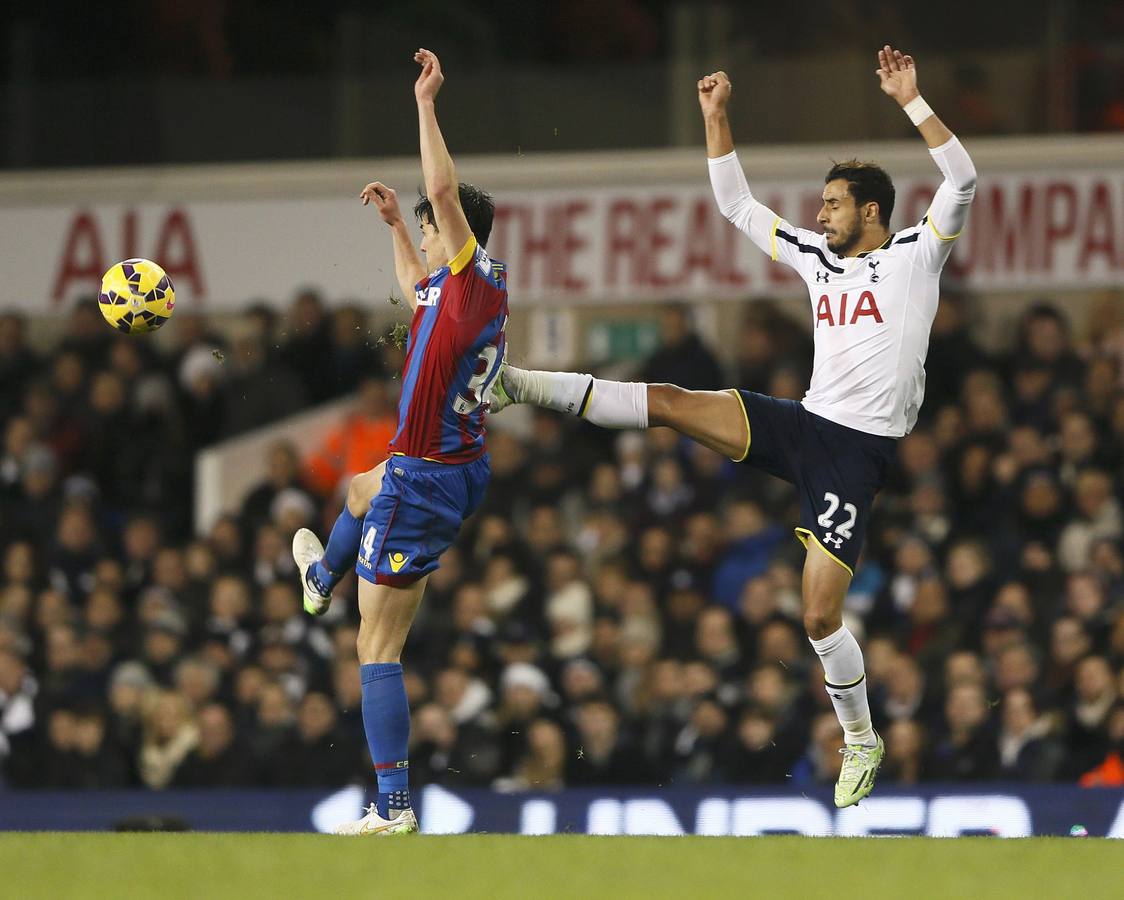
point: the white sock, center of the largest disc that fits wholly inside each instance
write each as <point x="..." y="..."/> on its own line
<point x="610" y="404"/>
<point x="842" y="661"/>
<point x="561" y="391"/>
<point x="617" y="404"/>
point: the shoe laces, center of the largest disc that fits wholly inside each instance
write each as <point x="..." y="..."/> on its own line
<point x="856" y="752"/>
<point x="370" y="810"/>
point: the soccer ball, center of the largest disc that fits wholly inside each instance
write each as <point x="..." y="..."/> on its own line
<point x="136" y="296"/>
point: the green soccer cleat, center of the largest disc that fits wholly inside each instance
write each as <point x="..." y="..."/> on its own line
<point x="498" y="397"/>
<point x="856" y="778"/>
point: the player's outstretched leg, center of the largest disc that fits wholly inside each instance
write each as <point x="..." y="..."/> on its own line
<point x="716" y="419"/>
<point x="824" y="586"/>
<point x="386" y="615"/>
<point x="321" y="568"/>
<point x="611" y="404"/>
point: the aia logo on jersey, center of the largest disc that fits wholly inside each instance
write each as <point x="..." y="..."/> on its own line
<point x="837" y="314"/>
<point x="428" y="296"/>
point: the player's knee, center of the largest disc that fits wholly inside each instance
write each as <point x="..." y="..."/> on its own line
<point x="357" y="499"/>
<point x="819" y="623"/>
<point x="665" y="401"/>
<point x="374" y="646"/>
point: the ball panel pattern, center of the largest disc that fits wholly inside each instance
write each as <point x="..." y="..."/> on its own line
<point x="136" y="296"/>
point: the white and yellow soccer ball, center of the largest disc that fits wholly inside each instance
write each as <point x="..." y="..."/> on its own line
<point x="136" y="296"/>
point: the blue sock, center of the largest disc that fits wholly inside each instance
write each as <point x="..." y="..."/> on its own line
<point x="386" y="720"/>
<point x="339" y="555"/>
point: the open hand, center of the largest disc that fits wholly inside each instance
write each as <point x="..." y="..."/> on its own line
<point x="385" y="200"/>
<point x="714" y="92"/>
<point x="897" y="75"/>
<point x="430" y="80"/>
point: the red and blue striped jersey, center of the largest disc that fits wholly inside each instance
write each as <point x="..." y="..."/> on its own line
<point x="453" y="353"/>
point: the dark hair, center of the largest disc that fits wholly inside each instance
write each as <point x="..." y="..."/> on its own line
<point x="479" y="209"/>
<point x="867" y="182"/>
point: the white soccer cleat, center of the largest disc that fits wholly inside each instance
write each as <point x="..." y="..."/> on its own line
<point x="307" y="551"/>
<point x="403" y="821"/>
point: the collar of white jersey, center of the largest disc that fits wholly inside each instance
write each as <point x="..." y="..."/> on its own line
<point x="886" y="243"/>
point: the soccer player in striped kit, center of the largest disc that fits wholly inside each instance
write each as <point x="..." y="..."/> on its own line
<point x="874" y="294"/>
<point x="438" y="469"/>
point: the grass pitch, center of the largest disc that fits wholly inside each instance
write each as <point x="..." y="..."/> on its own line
<point x="81" y="865"/>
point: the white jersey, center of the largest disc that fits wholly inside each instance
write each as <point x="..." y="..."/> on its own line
<point x="871" y="314"/>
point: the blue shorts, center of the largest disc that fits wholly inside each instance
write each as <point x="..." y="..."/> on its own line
<point x="416" y="517"/>
<point x="837" y="470"/>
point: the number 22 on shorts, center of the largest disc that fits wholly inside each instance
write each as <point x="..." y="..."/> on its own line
<point x="826" y="520"/>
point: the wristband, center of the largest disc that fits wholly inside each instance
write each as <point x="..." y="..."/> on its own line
<point x="918" y="110"/>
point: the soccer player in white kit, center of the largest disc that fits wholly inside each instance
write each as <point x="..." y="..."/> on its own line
<point x="874" y="294"/>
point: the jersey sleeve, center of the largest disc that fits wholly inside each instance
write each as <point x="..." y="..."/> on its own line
<point x="948" y="213"/>
<point x="481" y="285"/>
<point x="796" y="247"/>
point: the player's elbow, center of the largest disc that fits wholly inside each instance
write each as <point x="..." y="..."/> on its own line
<point x="736" y="210"/>
<point x="967" y="179"/>
<point x="729" y="211"/>
<point x="442" y="191"/>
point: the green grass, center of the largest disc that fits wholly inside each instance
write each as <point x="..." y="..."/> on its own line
<point x="72" y="865"/>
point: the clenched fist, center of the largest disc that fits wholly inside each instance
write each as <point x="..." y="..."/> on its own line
<point x="714" y="92"/>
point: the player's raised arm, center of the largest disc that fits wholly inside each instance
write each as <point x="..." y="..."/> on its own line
<point x="731" y="190"/>
<point x="408" y="266"/>
<point x="437" y="165"/>
<point x="714" y="94"/>
<point x="897" y="76"/>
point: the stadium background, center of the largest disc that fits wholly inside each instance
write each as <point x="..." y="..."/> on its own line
<point x="623" y="612"/>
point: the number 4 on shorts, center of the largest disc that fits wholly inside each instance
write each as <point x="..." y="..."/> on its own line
<point x="369" y="543"/>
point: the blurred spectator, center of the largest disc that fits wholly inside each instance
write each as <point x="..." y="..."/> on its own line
<point x="282" y="473"/>
<point x="603" y="754"/>
<point x="952" y="354"/>
<point x="822" y="760"/>
<point x="18" y="363"/>
<point x="17" y="719"/>
<point x="170" y="734"/>
<point x="697" y="747"/>
<point x="754" y="756"/>
<point x="259" y="389"/>
<point x="92" y="761"/>
<point x="770" y="341"/>
<point x="967" y="751"/>
<point x="1027" y="751"/>
<point x="316" y="756"/>
<point x="905" y="750"/>
<point x="1095" y="695"/>
<point x="218" y="760"/>
<point x="354" y="357"/>
<point x="359" y="443"/>
<point x="308" y="343"/>
<point x="543" y="767"/>
<point x="1110" y="771"/>
<point x="682" y="358"/>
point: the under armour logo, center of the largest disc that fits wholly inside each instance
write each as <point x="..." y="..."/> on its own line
<point x="874" y="264"/>
<point x="836" y="542"/>
<point x="823" y="279"/>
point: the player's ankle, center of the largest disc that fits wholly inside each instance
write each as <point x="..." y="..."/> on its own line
<point x="513" y="380"/>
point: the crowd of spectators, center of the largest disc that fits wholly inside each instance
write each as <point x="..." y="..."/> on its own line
<point x="623" y="609"/>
